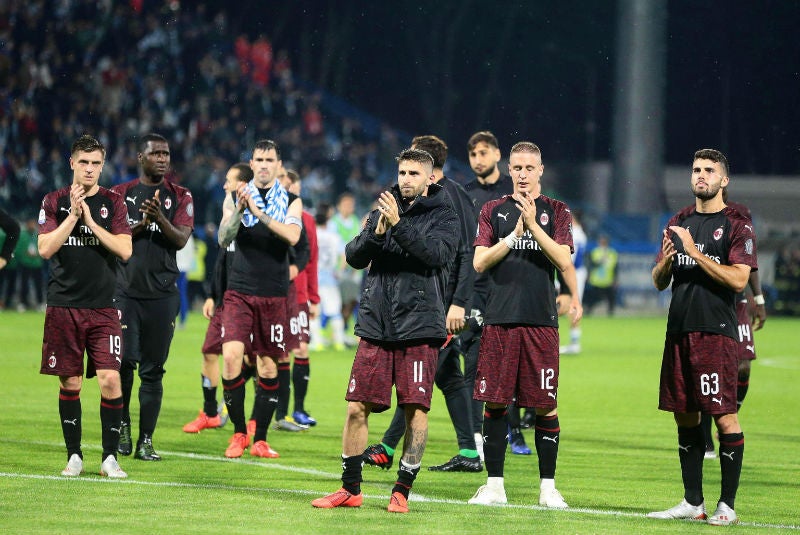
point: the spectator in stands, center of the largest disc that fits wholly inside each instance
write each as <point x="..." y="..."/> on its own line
<point x="30" y="268"/>
<point x="10" y="230"/>
<point x="186" y="73"/>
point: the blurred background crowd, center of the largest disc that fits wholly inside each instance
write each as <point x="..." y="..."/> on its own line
<point x="211" y="86"/>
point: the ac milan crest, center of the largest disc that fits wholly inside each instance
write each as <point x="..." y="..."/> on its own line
<point x="167" y="203"/>
<point x="51" y="361"/>
<point x="482" y="386"/>
<point x="544" y="219"/>
<point x="718" y="233"/>
<point x="103" y="212"/>
<point x="352" y="386"/>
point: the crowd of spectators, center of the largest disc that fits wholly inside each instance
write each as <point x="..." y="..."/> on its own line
<point x="118" y="70"/>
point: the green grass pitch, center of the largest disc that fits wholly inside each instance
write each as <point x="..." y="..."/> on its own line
<point x="617" y="458"/>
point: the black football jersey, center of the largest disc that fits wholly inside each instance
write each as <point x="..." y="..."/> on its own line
<point x="699" y="304"/>
<point x="83" y="272"/>
<point x="152" y="270"/>
<point x="521" y="285"/>
<point x="261" y="261"/>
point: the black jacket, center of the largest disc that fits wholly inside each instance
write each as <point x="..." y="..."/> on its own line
<point x="403" y="296"/>
<point x="462" y="277"/>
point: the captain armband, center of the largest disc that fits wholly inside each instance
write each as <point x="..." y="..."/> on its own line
<point x="292" y="220"/>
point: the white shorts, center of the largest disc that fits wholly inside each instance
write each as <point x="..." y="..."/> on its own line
<point x="330" y="301"/>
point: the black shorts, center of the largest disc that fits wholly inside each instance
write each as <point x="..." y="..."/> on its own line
<point x="147" y="329"/>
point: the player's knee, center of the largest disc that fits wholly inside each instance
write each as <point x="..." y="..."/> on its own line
<point x="152" y="375"/>
<point x="744" y="370"/>
<point x="357" y="411"/>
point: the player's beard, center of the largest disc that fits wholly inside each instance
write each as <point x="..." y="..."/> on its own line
<point x="486" y="172"/>
<point x="708" y="194"/>
<point x="411" y="197"/>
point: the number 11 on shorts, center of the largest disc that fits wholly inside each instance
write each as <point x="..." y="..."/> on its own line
<point x="418" y="371"/>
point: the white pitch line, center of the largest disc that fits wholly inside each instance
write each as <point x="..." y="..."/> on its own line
<point x="413" y="498"/>
<point x="782" y="363"/>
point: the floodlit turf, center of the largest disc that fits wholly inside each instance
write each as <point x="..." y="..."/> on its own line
<point x="617" y="457"/>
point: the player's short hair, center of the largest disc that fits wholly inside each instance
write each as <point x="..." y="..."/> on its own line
<point x="484" y="136"/>
<point x="87" y="143"/>
<point x="294" y="176"/>
<point x="141" y="146"/>
<point x="265" y="145"/>
<point x="321" y="215"/>
<point x="434" y="146"/>
<point x="526" y="146"/>
<point x="715" y="156"/>
<point x="415" y="155"/>
<point x="244" y="172"/>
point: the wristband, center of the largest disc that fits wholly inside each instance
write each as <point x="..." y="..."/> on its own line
<point x="759" y="299"/>
<point x="511" y="240"/>
<point x="267" y="219"/>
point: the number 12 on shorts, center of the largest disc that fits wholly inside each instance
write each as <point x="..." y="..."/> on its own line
<point x="547" y="377"/>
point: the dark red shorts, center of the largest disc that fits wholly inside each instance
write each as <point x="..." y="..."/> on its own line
<point x="376" y="367"/>
<point x="292" y="315"/>
<point x="747" y="347"/>
<point x="699" y="372"/>
<point x="260" y="319"/>
<point x="518" y="362"/>
<point x="68" y="332"/>
<point x="212" y="345"/>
